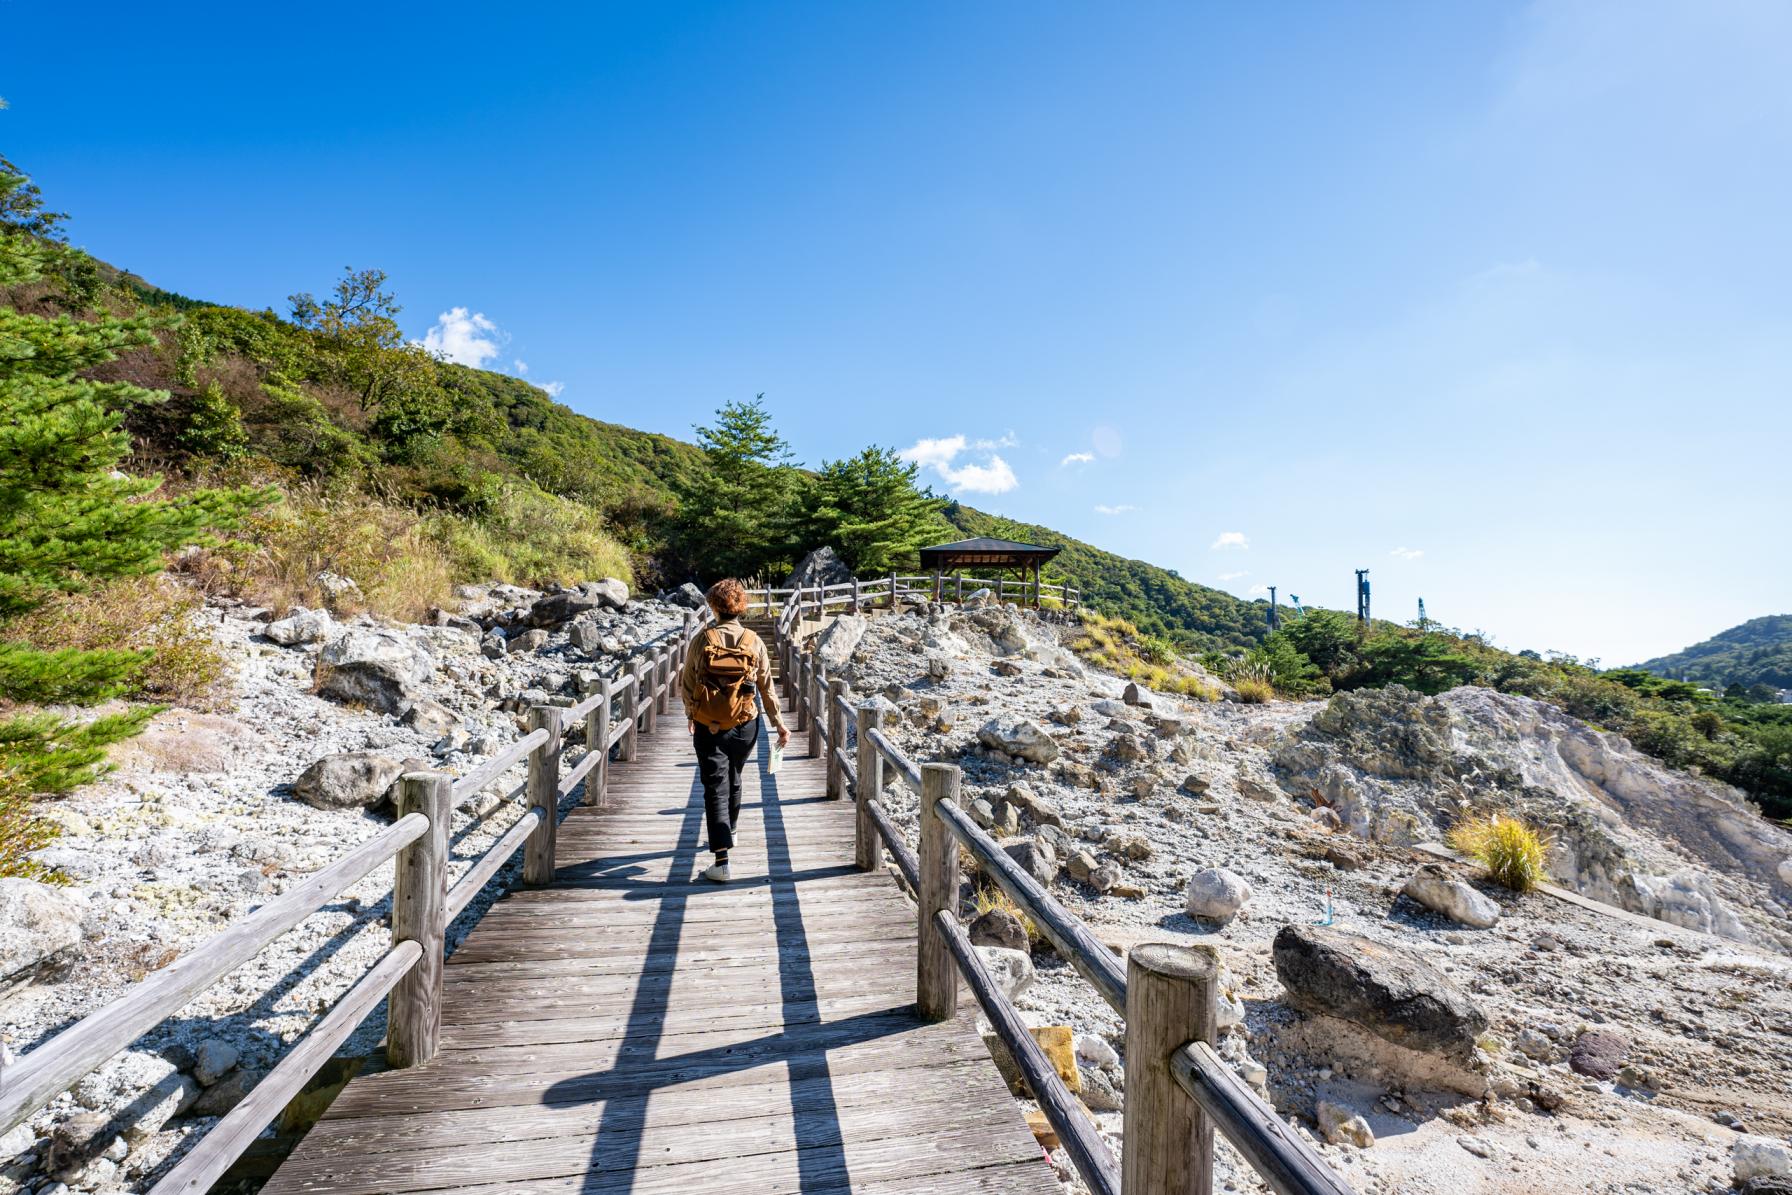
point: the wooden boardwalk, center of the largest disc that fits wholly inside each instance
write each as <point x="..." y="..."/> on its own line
<point x="631" y="1028"/>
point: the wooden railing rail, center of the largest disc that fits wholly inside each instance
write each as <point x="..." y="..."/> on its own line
<point x="409" y="973"/>
<point x="1178" y="1088"/>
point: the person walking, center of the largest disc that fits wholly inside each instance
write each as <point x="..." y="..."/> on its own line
<point x="726" y="669"/>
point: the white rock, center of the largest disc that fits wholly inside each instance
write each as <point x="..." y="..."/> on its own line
<point x="213" y="1058"/>
<point x="1020" y="737"/>
<point x="121" y="1080"/>
<point x="835" y="645"/>
<point x="1011" y="969"/>
<point x="301" y="626"/>
<point x="1760" y="1157"/>
<point x="1340" y="1126"/>
<point x="1216" y="894"/>
<point x="40" y="925"/>
<point x="337" y="588"/>
<point x="1437" y="889"/>
<point x="1786" y="872"/>
<point x="16" y="1142"/>
<point x="1095" y="1050"/>
<point x="374" y="667"/>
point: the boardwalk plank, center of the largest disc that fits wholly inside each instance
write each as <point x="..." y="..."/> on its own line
<point x="631" y="1028"/>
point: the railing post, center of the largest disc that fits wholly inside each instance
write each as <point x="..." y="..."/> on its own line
<point x="959" y="596"/>
<point x="631" y="703"/>
<point x="799" y="694"/>
<point x="420" y="915"/>
<point x="650" y="700"/>
<point x="818" y="713"/>
<point x="865" y="848"/>
<point x="892" y="591"/>
<point x="1171" y="994"/>
<point x="597" y="735"/>
<point x="1001" y="589"/>
<point x="936" y="974"/>
<point x="836" y="737"/>
<point x="855" y="595"/>
<point x="544" y="794"/>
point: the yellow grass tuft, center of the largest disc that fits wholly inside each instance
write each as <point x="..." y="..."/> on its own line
<point x="1510" y="850"/>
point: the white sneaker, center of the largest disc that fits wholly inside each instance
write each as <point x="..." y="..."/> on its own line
<point x="717" y="873"/>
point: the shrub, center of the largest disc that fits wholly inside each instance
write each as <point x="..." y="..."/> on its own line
<point x="1254" y="692"/>
<point x="1511" y="851"/>
<point x="1114" y="644"/>
<point x="182" y="664"/>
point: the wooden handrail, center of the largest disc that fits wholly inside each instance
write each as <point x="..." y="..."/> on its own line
<point x="65" y="1059"/>
<point x="207" y="1161"/>
<point x="1280" y="1156"/>
<point x="1081" y="1140"/>
<point x="498" y="854"/>
<point x="1169" y="1146"/>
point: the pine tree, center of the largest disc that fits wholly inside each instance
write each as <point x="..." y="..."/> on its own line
<point x="68" y="516"/>
<point x="871" y="510"/>
<point x="735" y="517"/>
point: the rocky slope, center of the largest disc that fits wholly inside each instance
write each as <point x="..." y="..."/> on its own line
<point x="208" y="815"/>
<point x="1561" y="1048"/>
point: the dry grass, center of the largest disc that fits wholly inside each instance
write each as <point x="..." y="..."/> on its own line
<point x="1254" y="692"/>
<point x="153" y="614"/>
<point x="1116" y="645"/>
<point x="1510" y="850"/>
<point x="990" y="897"/>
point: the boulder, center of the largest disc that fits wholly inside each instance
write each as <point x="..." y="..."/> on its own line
<point x="1340" y="1126"/>
<point x="530" y="640"/>
<point x="1019" y="737"/>
<point x="688" y="596"/>
<point x="835" y="645"/>
<point x="353" y="780"/>
<point x="822" y="566"/>
<point x="1012" y="970"/>
<point x="1598" y="1054"/>
<point x="979" y="598"/>
<point x="226" y="1093"/>
<point x="1080" y="865"/>
<point x="1392" y="993"/>
<point x="998" y="927"/>
<point x="1755" y="1158"/>
<point x="1128" y="748"/>
<point x="1438" y="889"/>
<point x="303" y="625"/>
<point x="1216" y="894"/>
<point x="77" y="1141"/>
<point x="213" y="1058"/>
<point x="1043" y="812"/>
<point x="1134" y="695"/>
<point x="374" y="667"/>
<point x="1785" y="872"/>
<point x="1035" y="858"/>
<point x="40" y="929"/>
<point x="557" y="609"/>
<point x="430" y="718"/>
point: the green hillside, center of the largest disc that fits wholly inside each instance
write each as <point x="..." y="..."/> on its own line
<point x="1759" y="652"/>
<point x="1155" y="599"/>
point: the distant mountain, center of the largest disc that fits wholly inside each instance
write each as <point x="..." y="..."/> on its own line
<point x="1757" y="652"/>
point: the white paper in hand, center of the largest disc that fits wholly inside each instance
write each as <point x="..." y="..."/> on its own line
<point x="777" y="760"/>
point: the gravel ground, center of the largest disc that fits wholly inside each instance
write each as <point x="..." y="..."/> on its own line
<point x="198" y="826"/>
<point x="1708" y="1021"/>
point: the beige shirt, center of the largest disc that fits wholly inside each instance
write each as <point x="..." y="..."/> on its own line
<point x="731" y="633"/>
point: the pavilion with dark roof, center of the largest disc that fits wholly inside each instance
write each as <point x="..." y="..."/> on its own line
<point x="985" y="552"/>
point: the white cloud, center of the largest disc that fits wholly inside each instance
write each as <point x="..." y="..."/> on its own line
<point x="1407" y="553"/>
<point x="1258" y="589"/>
<point x="466" y="338"/>
<point x="554" y="389"/>
<point x="1234" y="576"/>
<point x="1230" y="539"/>
<point x="520" y="365"/>
<point x="1077" y="458"/>
<point x="1123" y="508"/>
<point x="992" y="475"/>
<point x="1007" y="440"/>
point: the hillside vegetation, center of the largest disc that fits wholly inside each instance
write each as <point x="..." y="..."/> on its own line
<point x="1759" y="652"/>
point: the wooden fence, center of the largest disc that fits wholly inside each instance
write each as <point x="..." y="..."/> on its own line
<point x="611" y="715"/>
<point x="1178" y="1088"/>
<point x="939" y="587"/>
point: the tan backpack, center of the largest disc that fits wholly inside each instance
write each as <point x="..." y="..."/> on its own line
<point x="725" y="681"/>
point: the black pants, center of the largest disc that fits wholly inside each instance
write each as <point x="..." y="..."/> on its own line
<point x="720" y="757"/>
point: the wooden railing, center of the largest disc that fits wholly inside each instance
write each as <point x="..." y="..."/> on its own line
<point x="1178" y="1088"/>
<point x="612" y="714"/>
<point x="939" y="587"/>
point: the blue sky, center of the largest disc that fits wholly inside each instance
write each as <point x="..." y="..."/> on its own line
<point x="1489" y="299"/>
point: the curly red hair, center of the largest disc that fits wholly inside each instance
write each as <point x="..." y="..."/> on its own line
<point x="728" y="598"/>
